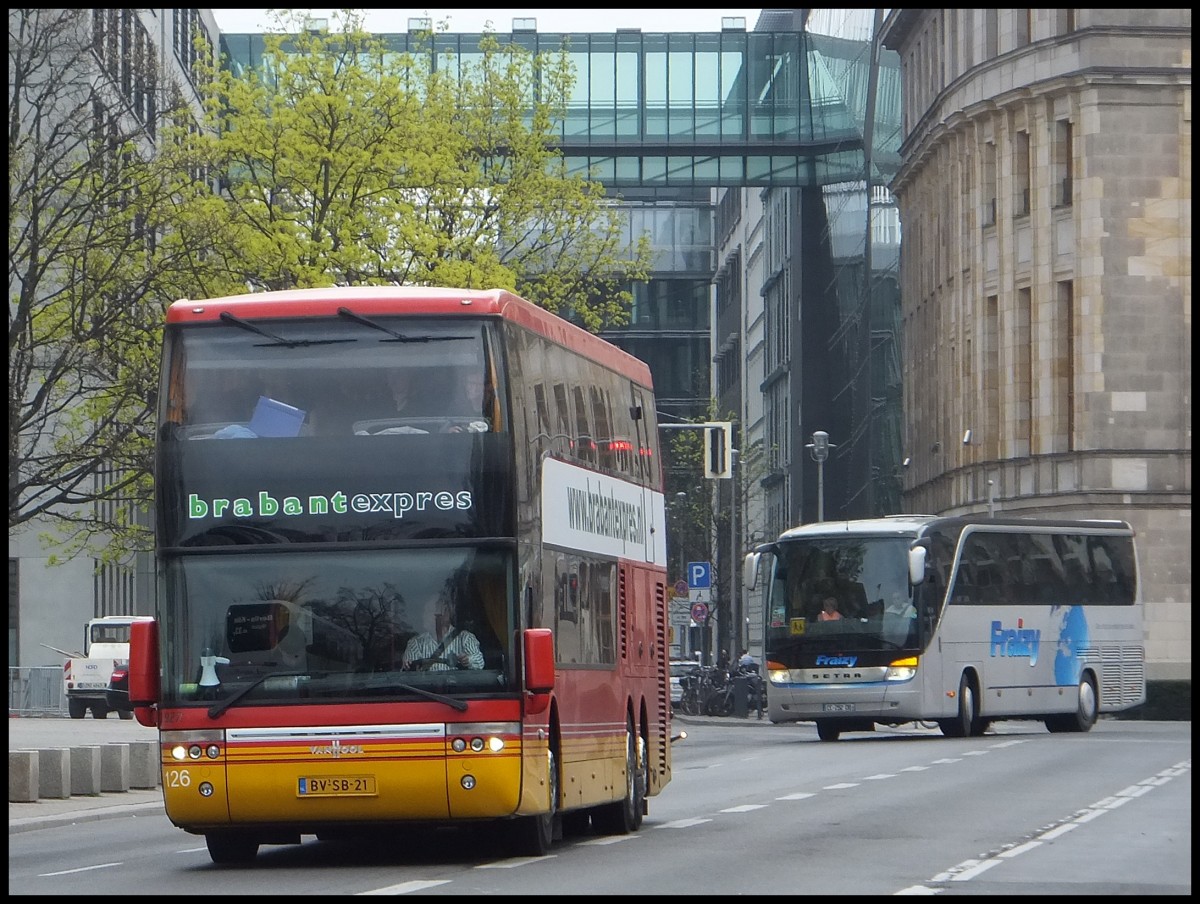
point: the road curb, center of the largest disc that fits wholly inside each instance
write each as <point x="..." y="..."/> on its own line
<point x="83" y="814"/>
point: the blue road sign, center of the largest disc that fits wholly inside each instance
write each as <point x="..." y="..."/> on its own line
<point x="699" y="575"/>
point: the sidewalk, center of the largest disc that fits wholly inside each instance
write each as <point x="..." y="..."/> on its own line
<point x="44" y="813"/>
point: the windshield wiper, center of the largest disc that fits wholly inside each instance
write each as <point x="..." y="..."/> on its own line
<point x="276" y="340"/>
<point x="382" y="683"/>
<point x="396" y="337"/>
<point x="217" y="708"/>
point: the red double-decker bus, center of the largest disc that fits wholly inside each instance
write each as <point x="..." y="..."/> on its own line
<point x="410" y="548"/>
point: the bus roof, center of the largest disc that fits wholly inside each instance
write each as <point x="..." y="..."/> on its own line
<point x="915" y="525"/>
<point x="412" y="300"/>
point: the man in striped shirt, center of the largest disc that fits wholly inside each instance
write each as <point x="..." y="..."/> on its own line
<point x="446" y="647"/>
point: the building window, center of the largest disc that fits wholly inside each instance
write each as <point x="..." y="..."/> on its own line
<point x="988" y="214"/>
<point x="991" y="33"/>
<point x="991" y="375"/>
<point x="1064" y="21"/>
<point x="1021" y="174"/>
<point x="1064" y="368"/>
<point x="1022" y="374"/>
<point x="1063" y="169"/>
<point x="1024" y="26"/>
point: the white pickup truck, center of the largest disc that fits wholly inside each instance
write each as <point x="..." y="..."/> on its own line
<point x="86" y="675"/>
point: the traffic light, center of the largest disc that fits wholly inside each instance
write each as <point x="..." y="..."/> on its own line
<point x="718" y="449"/>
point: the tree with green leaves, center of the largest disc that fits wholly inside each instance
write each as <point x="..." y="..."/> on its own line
<point x="348" y="162"/>
<point x="88" y="275"/>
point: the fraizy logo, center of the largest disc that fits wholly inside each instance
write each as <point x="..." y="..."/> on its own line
<point x="1019" y="641"/>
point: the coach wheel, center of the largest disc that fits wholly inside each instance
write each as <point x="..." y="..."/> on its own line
<point x="536" y="834"/>
<point x="1085" y="714"/>
<point x="625" y="816"/>
<point x="231" y="847"/>
<point x="966" y="723"/>
<point x="828" y="731"/>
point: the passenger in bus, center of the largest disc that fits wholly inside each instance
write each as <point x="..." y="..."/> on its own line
<point x="829" y="610"/>
<point x="445" y="647"/>
<point x="474" y="390"/>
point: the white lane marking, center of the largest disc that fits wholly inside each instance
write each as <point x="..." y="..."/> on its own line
<point x="920" y="890"/>
<point x="799" y="795"/>
<point x="872" y="778"/>
<point x="968" y="869"/>
<point x="1059" y="831"/>
<point x="974" y="871"/>
<point x="607" y="839"/>
<point x="514" y="862"/>
<point x="1020" y="849"/>
<point x="684" y="823"/>
<point x="80" y="869"/>
<point x="840" y="786"/>
<point x="914" y="768"/>
<point x="743" y="808"/>
<point x="405" y="888"/>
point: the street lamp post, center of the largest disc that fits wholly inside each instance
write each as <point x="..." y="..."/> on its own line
<point x="819" y="448"/>
<point x="735" y="598"/>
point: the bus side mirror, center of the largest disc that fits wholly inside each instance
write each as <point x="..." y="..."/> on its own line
<point x="916" y="565"/>
<point x="539" y="660"/>
<point x="143" y="670"/>
<point x="750" y="570"/>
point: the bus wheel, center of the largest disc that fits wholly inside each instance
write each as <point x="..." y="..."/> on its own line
<point x="231" y="847"/>
<point x="966" y="723"/>
<point x="625" y="816"/>
<point x="1085" y="714"/>
<point x="827" y="731"/>
<point x="536" y="834"/>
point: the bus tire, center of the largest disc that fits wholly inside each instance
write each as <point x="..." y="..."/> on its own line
<point x="231" y="846"/>
<point x="1086" y="712"/>
<point x="966" y="723"/>
<point x="828" y="730"/>
<point x="536" y="834"/>
<point x="625" y="816"/>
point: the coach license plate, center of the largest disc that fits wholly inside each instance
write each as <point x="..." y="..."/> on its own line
<point x="837" y="707"/>
<point x="337" y="786"/>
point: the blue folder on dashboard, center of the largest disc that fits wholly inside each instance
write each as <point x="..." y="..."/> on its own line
<point x="272" y="418"/>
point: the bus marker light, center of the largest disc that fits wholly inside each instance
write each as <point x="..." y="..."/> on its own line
<point x="477" y="744"/>
<point x="458" y="745"/>
<point x="495" y="745"/>
<point x="206" y="789"/>
<point x="468" y="782"/>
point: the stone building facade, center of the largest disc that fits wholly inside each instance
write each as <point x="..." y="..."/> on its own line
<point x="1045" y="196"/>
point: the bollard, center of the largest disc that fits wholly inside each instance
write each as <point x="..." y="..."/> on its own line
<point x="22" y="776"/>
<point x="85" y="770"/>
<point x="114" y="767"/>
<point x="741" y="696"/>
<point x="54" y="769"/>
<point x="145" y="767"/>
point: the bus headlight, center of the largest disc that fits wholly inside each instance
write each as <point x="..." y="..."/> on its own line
<point x="902" y="669"/>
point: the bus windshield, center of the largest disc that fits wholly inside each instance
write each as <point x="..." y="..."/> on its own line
<point x="337" y="626"/>
<point x="841" y="594"/>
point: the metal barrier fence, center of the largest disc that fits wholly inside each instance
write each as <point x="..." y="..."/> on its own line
<point x="36" y="691"/>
